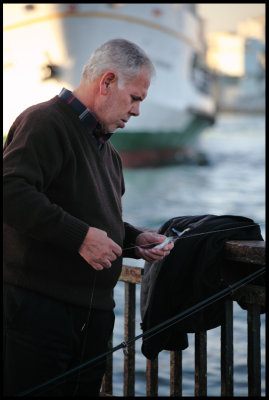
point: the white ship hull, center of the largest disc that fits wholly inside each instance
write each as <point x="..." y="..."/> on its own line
<point x="48" y="45"/>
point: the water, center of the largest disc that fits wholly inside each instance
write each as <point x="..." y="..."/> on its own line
<point x="232" y="183"/>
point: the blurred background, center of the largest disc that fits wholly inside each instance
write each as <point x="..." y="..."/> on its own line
<point x="198" y="146"/>
<point x="210" y="58"/>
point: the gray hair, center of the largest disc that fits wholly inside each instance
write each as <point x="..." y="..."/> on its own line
<point x="122" y="56"/>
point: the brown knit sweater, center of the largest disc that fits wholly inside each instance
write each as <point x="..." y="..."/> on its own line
<point x="57" y="183"/>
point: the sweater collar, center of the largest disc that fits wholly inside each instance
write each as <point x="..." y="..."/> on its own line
<point x="86" y="117"/>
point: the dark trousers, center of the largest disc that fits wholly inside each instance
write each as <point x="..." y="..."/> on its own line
<point x="44" y="338"/>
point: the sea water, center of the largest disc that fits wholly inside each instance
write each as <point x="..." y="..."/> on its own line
<point x="232" y="183"/>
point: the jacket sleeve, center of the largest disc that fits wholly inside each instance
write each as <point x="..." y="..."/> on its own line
<point x="33" y="156"/>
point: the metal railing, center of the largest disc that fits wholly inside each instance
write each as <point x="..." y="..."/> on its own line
<point x="252" y="255"/>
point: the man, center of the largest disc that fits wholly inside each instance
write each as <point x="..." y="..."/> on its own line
<point x="64" y="237"/>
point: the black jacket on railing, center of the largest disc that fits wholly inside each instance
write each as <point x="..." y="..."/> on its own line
<point x="191" y="273"/>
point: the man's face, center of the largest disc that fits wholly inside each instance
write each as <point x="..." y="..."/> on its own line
<point x="116" y="105"/>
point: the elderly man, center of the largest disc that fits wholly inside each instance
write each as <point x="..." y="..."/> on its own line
<point x="64" y="237"/>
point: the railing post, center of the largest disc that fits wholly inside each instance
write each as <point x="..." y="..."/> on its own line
<point x="254" y="350"/>
<point x="200" y="364"/>
<point x="152" y="377"/>
<point x="129" y="332"/>
<point x="176" y="373"/>
<point x="227" y="350"/>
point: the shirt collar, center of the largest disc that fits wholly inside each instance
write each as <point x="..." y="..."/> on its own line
<point x="86" y="117"/>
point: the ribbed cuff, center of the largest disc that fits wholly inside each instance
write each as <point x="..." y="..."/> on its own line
<point x="74" y="233"/>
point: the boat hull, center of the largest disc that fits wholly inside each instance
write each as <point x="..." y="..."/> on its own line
<point x="143" y="148"/>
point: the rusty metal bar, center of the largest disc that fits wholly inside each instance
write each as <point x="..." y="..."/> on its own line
<point x="129" y="332"/>
<point x="152" y="378"/>
<point x="200" y="364"/>
<point x="227" y="351"/>
<point x="254" y="351"/>
<point x="176" y="373"/>
<point x="246" y="251"/>
<point x="130" y="274"/>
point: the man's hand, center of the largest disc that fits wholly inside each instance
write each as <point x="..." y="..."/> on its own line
<point x="148" y="239"/>
<point x="98" y="249"/>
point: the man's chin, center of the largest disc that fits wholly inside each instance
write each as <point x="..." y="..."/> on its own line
<point x="115" y="129"/>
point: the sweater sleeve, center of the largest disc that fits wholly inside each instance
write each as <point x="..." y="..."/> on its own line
<point x="33" y="156"/>
<point x="131" y="234"/>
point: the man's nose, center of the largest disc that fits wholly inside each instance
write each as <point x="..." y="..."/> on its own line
<point x="135" y="110"/>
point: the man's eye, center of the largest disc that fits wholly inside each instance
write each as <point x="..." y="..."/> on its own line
<point x="134" y="98"/>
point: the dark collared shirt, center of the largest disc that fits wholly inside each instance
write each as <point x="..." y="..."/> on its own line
<point x="86" y="117"/>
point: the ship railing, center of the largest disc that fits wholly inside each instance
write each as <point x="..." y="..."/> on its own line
<point x="252" y="255"/>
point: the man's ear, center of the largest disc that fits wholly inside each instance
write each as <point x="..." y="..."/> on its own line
<point x="107" y="79"/>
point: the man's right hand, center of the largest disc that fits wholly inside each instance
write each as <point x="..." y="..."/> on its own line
<point x="98" y="249"/>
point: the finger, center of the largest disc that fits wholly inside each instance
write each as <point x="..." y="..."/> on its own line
<point x="169" y="247"/>
<point x="149" y="259"/>
<point x="101" y="263"/>
<point x="152" y="256"/>
<point x="161" y="255"/>
<point x="159" y="237"/>
<point x="156" y="253"/>
<point x="112" y="256"/>
<point x="116" y="249"/>
<point x="96" y="266"/>
<point x="106" y="263"/>
<point x="143" y="254"/>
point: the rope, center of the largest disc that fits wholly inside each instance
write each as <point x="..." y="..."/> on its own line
<point x="154" y="330"/>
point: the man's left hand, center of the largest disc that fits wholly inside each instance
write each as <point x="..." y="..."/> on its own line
<point x="148" y="240"/>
